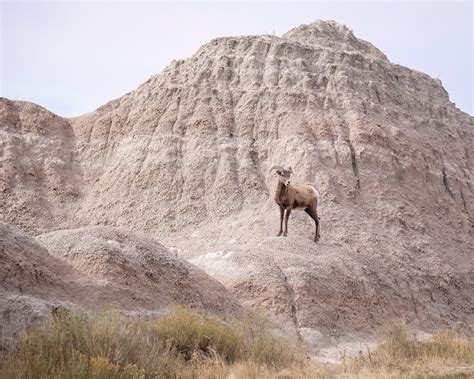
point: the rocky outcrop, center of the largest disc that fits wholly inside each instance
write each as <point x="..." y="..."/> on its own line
<point x="185" y="159"/>
<point x="136" y="272"/>
<point x="97" y="268"/>
<point x="41" y="178"/>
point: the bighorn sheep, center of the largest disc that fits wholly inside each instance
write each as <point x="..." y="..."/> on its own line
<point x="289" y="197"/>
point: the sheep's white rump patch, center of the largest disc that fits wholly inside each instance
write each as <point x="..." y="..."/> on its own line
<point x="316" y="192"/>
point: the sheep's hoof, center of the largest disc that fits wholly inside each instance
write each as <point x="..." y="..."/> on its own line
<point x="279" y="234"/>
<point x="284" y="234"/>
<point x="316" y="239"/>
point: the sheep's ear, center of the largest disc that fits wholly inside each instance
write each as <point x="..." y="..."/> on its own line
<point x="278" y="172"/>
<point x="290" y="170"/>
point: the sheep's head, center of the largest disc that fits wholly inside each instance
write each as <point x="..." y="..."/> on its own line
<point x="283" y="174"/>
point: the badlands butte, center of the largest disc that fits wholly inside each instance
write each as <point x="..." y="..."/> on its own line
<point x="164" y="195"/>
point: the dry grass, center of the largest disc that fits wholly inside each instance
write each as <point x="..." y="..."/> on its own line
<point x="187" y="344"/>
<point x="447" y="355"/>
<point x="184" y="343"/>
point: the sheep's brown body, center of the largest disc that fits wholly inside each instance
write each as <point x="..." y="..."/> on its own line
<point x="289" y="197"/>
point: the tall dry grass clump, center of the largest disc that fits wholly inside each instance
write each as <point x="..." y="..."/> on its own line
<point x="400" y="355"/>
<point x="184" y="343"/>
<point x="194" y="335"/>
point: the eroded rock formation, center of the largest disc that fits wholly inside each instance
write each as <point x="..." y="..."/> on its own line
<point x="184" y="159"/>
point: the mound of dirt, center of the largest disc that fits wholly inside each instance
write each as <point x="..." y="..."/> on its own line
<point x="25" y="265"/>
<point x="135" y="271"/>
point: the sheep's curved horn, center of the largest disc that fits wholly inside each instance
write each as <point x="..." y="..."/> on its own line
<point x="276" y="168"/>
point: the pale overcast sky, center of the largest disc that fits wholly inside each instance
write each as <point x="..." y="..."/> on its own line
<point x="73" y="57"/>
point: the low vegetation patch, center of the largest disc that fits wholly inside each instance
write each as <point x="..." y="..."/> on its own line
<point x="400" y="355"/>
<point x="188" y="344"/>
<point x="180" y="344"/>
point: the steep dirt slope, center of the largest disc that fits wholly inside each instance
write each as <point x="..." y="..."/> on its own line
<point x="201" y="136"/>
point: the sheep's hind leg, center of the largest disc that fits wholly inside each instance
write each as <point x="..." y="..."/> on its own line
<point x="314" y="215"/>
<point x="282" y="211"/>
<point x="318" y="228"/>
<point x="287" y="216"/>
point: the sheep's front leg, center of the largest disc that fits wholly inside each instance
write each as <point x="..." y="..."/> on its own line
<point x="314" y="215"/>
<point x="287" y="216"/>
<point x="282" y="211"/>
